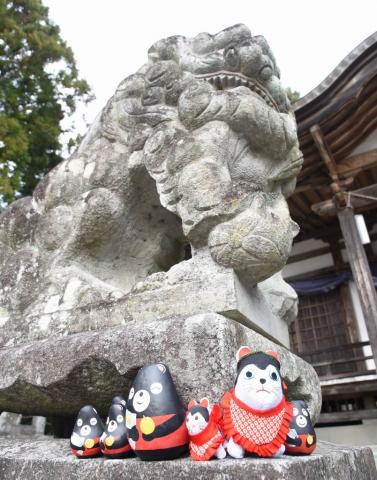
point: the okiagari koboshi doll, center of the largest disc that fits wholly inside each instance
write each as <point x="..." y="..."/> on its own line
<point x="85" y="438"/>
<point x="301" y="439"/>
<point x="204" y="427"/>
<point x="155" y="416"/>
<point x="256" y="413"/>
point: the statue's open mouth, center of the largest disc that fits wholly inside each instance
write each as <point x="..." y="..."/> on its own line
<point x="224" y="80"/>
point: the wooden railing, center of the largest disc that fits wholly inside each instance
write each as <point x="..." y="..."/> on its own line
<point x="345" y="360"/>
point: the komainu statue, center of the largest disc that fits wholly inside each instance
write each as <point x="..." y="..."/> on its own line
<point x="161" y="239"/>
<point x="199" y="146"/>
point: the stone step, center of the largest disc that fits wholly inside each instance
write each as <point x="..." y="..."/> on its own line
<point x="50" y="459"/>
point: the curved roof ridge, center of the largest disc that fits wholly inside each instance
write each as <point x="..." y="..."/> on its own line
<point x="337" y="72"/>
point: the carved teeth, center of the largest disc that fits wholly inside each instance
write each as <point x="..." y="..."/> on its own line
<point x="226" y="81"/>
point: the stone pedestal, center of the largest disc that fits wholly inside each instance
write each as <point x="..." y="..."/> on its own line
<point x="58" y="376"/>
<point x="51" y="459"/>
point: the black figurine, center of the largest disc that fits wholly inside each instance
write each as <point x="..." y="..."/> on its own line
<point x="114" y="441"/>
<point x="155" y="416"/>
<point x="85" y="438"/>
<point x="301" y="439"/>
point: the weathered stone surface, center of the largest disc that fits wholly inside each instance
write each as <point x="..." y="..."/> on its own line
<point x="50" y="459"/>
<point x="58" y="376"/>
<point x="191" y="287"/>
<point x="199" y="147"/>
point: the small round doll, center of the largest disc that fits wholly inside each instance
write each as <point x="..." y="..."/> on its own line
<point x="301" y="439"/>
<point x="86" y="433"/>
<point x="114" y="441"/>
<point x="206" y="437"/>
<point x="155" y="416"/>
<point x="256" y="414"/>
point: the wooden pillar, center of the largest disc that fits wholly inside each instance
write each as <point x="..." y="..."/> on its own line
<point x="361" y="273"/>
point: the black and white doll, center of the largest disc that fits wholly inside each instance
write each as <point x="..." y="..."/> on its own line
<point x="155" y="416"/>
<point x="203" y="426"/>
<point x="85" y="438"/>
<point x="301" y="439"/>
<point x="256" y="414"/>
<point x="114" y="441"/>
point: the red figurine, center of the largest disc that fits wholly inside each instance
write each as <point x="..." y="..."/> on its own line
<point x="206" y="437"/>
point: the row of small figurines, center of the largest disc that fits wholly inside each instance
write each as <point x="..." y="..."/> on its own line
<point x="254" y="417"/>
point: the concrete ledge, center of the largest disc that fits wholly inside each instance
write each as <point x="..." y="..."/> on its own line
<point x="50" y="459"/>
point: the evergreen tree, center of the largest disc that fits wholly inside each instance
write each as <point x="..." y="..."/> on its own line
<point x="39" y="85"/>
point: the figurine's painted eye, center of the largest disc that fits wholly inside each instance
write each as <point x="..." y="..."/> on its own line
<point x="132" y="391"/>
<point x="112" y="426"/>
<point x="295" y="412"/>
<point x="156" y="388"/>
<point x="119" y="418"/>
<point x="93" y="421"/>
<point x="196" y="417"/>
<point x="273" y="373"/>
<point x="304" y="412"/>
<point x="161" y="367"/>
<point x="249" y="374"/>
<point x="79" y="422"/>
<point x="274" y="376"/>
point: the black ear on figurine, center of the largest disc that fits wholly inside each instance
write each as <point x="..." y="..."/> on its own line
<point x="87" y="431"/>
<point x="155" y="416"/>
<point x="114" y="441"/>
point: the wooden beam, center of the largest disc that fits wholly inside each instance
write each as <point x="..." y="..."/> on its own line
<point x="354" y="164"/>
<point x="361" y="273"/>
<point x="330" y="163"/>
<point x="328" y="207"/>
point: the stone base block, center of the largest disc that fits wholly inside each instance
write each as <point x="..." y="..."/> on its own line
<point x="55" y="377"/>
<point x="50" y="459"/>
<point x="189" y="288"/>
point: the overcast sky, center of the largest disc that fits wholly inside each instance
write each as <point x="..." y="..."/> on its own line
<point x="110" y="38"/>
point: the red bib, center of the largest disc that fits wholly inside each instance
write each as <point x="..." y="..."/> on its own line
<point x="203" y="446"/>
<point x="259" y="432"/>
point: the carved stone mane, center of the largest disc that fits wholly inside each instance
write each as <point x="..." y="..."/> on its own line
<point x="199" y="146"/>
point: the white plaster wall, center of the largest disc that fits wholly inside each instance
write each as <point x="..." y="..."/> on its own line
<point x="307" y="245"/>
<point x="308" y="265"/>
